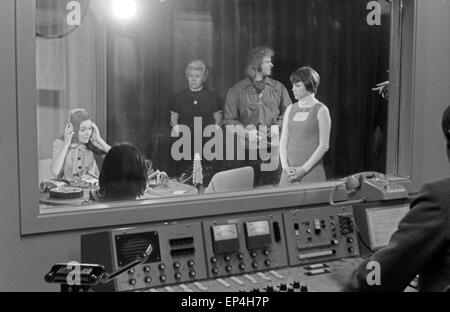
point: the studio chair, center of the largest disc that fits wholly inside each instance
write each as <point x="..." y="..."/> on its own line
<point x="231" y="180"/>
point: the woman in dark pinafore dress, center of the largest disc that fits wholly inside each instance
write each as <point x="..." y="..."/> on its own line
<point x="306" y="132"/>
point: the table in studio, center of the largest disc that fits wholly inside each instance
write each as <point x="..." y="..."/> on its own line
<point x="173" y="188"/>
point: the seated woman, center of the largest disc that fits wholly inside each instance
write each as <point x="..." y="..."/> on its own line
<point x="305" y="135"/>
<point x="195" y="101"/>
<point x="123" y="175"/>
<point x="74" y="153"/>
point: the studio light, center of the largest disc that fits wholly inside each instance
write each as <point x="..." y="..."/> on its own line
<point x="124" y="9"/>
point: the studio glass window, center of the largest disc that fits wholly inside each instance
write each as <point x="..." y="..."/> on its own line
<point x="115" y="72"/>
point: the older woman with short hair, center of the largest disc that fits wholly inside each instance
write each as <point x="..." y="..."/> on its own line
<point x="196" y="101"/>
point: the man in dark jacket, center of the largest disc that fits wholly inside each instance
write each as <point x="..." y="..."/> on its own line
<point x="421" y="244"/>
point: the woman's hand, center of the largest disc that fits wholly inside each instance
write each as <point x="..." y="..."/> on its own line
<point x="97" y="140"/>
<point x="96" y="133"/>
<point x="68" y="134"/>
<point x="295" y="174"/>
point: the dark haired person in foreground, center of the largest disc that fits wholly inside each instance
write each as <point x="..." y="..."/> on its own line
<point x="123" y="175"/>
<point x="421" y="244"/>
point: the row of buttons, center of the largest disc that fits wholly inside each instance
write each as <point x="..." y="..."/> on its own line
<point x="229" y="268"/>
<point x="162" y="277"/>
<point x="240" y="256"/>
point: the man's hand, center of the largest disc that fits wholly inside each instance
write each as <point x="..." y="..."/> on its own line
<point x="253" y="135"/>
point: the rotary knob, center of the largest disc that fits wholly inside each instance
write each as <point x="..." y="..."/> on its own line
<point x="162" y="277"/>
<point x="213" y="260"/>
<point x="147" y="279"/>
<point x="191" y="263"/>
<point x="227" y="258"/>
<point x="240" y="256"/>
<point x="161" y="266"/>
<point x="267" y="262"/>
<point x="146" y="268"/>
<point x="176" y="265"/>
<point x="228" y="268"/>
<point x="192" y="273"/>
<point x="215" y="270"/>
<point x="132" y="282"/>
<point x="255" y="264"/>
<point x="131" y="271"/>
<point x="177" y="275"/>
<point x="266" y="252"/>
<point x="242" y="266"/>
<point x="253" y="254"/>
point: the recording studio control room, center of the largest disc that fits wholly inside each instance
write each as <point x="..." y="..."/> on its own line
<point x="199" y="146"/>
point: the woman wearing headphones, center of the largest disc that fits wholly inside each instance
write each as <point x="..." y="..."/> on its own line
<point x="74" y="152"/>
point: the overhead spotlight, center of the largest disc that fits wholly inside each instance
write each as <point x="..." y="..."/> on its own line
<point x="124" y="9"/>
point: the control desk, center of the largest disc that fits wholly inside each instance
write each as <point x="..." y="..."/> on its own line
<point x="311" y="249"/>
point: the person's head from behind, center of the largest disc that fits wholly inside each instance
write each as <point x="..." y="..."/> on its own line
<point x="81" y="122"/>
<point x="123" y="174"/>
<point x="259" y="62"/>
<point x="305" y="81"/>
<point x="196" y="74"/>
<point x="446" y="129"/>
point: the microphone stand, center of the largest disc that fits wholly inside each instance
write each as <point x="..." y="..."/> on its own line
<point x="60" y="273"/>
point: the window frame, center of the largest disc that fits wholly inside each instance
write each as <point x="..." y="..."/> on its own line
<point x="398" y="160"/>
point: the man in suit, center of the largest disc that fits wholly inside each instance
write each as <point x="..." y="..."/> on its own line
<point x="421" y="244"/>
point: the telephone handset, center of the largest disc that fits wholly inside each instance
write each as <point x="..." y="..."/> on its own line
<point x="353" y="182"/>
<point x="369" y="186"/>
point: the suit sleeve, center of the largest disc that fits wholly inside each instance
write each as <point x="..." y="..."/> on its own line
<point x="420" y="236"/>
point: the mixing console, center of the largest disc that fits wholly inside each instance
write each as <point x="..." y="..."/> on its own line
<point x="290" y="250"/>
<point x="326" y="277"/>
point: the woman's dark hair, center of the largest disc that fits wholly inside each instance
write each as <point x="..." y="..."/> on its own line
<point x="308" y="76"/>
<point x="446" y="125"/>
<point x="123" y="174"/>
<point x="76" y="117"/>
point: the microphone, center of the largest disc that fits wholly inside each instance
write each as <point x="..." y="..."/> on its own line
<point x="108" y="277"/>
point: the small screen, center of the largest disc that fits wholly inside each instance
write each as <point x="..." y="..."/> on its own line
<point x="258" y="228"/>
<point x="225" y="232"/>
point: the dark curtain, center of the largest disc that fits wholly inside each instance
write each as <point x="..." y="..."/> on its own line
<point x="146" y="61"/>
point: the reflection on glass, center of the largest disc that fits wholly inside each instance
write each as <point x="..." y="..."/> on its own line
<point x="176" y="80"/>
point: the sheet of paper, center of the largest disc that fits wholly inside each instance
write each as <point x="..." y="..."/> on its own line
<point x="383" y="222"/>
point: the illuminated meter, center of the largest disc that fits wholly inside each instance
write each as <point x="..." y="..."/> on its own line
<point x="257" y="234"/>
<point x="225" y="238"/>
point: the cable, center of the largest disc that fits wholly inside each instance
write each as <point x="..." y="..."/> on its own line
<point x="68" y="32"/>
<point x="360" y="236"/>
